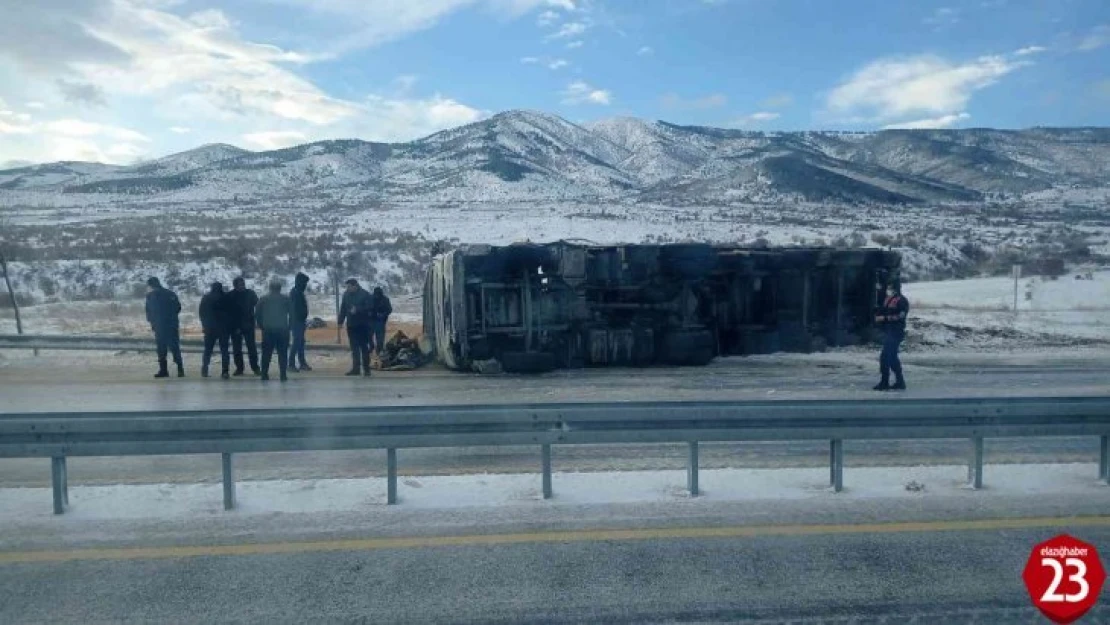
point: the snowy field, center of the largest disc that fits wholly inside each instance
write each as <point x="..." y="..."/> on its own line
<point x="1047" y="311"/>
<point x="895" y="484"/>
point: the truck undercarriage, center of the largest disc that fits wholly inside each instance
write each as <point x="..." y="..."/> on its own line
<point x="537" y="307"/>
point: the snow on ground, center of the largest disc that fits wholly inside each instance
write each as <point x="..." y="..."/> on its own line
<point x="1049" y="311"/>
<point x="124" y="502"/>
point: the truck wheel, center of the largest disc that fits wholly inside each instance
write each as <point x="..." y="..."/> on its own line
<point x="688" y="348"/>
<point x="528" y="362"/>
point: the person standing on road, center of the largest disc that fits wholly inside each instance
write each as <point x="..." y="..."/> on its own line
<point x="215" y="321"/>
<point x="357" y="309"/>
<point x="382" y="310"/>
<point x="300" y="321"/>
<point x="242" y="302"/>
<point x="162" y="310"/>
<point x="892" y="321"/>
<point x="273" y="314"/>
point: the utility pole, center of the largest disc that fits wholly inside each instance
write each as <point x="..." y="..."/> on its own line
<point x="11" y="293"/>
<point x="1017" y="276"/>
<point x="335" y="285"/>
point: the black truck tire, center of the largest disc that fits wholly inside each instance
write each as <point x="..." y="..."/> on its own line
<point x="691" y="348"/>
<point x="528" y="362"/>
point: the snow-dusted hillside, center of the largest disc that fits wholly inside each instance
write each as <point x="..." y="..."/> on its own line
<point x="525" y="156"/>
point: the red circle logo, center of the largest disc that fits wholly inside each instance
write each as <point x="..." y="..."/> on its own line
<point x="1064" y="577"/>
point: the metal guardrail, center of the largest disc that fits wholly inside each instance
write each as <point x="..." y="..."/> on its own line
<point x="227" y="432"/>
<point x="116" y="343"/>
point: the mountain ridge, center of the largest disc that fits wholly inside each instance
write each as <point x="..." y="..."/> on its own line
<point x="533" y="156"/>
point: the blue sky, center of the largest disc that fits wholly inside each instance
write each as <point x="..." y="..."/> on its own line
<point x="123" y="80"/>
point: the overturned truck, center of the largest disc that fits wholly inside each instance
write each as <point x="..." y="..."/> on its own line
<point x="530" y="308"/>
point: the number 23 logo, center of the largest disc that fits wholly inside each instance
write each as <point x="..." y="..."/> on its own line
<point x="1051" y="594"/>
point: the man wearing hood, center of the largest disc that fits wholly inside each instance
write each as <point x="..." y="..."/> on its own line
<point x="383" y="308"/>
<point x="242" y="302"/>
<point x="357" y="310"/>
<point x="162" y="308"/>
<point x="273" y="313"/>
<point x="299" y="321"/>
<point x="215" y="321"/>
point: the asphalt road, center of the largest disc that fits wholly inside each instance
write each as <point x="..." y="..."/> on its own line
<point x="940" y="572"/>
<point x="53" y="384"/>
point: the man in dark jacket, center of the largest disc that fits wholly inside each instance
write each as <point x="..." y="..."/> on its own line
<point x="272" y="314"/>
<point x="357" y="310"/>
<point x="215" y="321"/>
<point x="892" y="321"/>
<point x="300" y="320"/>
<point x="382" y="310"/>
<point x="241" y="303"/>
<point x="162" y="308"/>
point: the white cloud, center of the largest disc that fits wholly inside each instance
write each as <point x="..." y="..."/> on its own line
<point x="943" y="16"/>
<point x="398" y="119"/>
<point x="529" y="60"/>
<point x="157" y="70"/>
<point x="568" y="30"/>
<point x="1097" y="38"/>
<point x="81" y="128"/>
<point x="23" y="118"/>
<point x="575" y="44"/>
<point x="915" y="87"/>
<point x="1028" y="50"/>
<point x="645" y="51"/>
<point x="363" y="24"/>
<point x="14" y="128"/>
<point x="580" y="92"/>
<point x="547" y="18"/>
<point x="275" y="139"/>
<point x="674" y="101"/>
<point x="124" y="152"/>
<point x="778" y="101"/>
<point x="944" y="121"/>
<point x="557" y="64"/>
<point x="756" y="118"/>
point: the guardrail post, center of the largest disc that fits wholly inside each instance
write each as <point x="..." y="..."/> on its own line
<point x="836" y="464"/>
<point x="975" y="464"/>
<point x="229" y="482"/>
<point x="692" y="470"/>
<point x="1104" y="459"/>
<point x="391" y="476"/>
<point x="545" y="452"/>
<point x="59" y="482"/>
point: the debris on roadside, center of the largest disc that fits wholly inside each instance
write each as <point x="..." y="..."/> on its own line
<point x="915" y="487"/>
<point x="403" y="353"/>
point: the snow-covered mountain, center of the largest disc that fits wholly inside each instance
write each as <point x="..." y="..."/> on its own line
<point x="529" y="156"/>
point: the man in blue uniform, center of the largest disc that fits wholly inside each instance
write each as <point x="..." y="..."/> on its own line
<point x="215" y="320"/>
<point x="891" y="319"/>
<point x="357" y="311"/>
<point x="162" y="308"/>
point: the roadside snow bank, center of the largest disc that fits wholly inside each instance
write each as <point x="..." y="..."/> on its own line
<point x="178" y="501"/>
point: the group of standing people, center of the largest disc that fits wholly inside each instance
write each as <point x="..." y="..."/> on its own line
<point x="231" y="317"/>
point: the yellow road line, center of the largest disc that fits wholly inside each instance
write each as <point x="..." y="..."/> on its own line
<point x="366" y="544"/>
